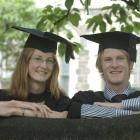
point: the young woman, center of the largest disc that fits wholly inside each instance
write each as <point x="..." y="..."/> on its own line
<point x="35" y="89"/>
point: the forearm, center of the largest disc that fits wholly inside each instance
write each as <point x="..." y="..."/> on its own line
<point x="133" y="104"/>
<point x="129" y="104"/>
<point x="10" y="111"/>
<point x="20" y="108"/>
<point x="90" y="111"/>
<point x="56" y="114"/>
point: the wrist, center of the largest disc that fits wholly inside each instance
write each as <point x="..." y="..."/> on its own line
<point x="64" y="114"/>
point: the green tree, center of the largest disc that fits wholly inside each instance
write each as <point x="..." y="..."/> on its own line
<point x="56" y="19"/>
<point x="14" y="12"/>
<point x="125" y="15"/>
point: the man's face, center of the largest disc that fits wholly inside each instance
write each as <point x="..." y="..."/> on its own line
<point x="115" y="66"/>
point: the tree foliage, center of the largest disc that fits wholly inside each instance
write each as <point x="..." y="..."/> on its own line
<point x="122" y="16"/>
<point x="57" y="19"/>
<point x="15" y="12"/>
<point x="125" y="15"/>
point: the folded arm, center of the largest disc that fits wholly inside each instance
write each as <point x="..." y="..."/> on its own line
<point x="21" y="108"/>
<point x="131" y="104"/>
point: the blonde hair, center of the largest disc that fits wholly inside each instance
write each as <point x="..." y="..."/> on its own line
<point x="20" y="80"/>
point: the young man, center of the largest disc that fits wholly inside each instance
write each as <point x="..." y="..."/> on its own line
<point x="116" y="56"/>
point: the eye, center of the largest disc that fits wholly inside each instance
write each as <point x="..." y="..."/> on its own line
<point x="121" y="58"/>
<point x="107" y="59"/>
<point x="37" y="59"/>
<point x="50" y="61"/>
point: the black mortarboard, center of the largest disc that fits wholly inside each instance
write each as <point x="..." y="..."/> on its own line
<point x="46" y="41"/>
<point x="116" y="40"/>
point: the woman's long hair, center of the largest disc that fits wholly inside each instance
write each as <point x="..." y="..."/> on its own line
<point x="20" y="79"/>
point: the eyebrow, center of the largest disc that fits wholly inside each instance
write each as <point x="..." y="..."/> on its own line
<point x="38" y="55"/>
<point x="120" y="55"/>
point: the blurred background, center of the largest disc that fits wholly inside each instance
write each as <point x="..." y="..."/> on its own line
<point x="70" y="19"/>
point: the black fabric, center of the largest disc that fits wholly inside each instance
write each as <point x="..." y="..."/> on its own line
<point x="83" y="97"/>
<point x="89" y="97"/>
<point x="117" y="40"/>
<point x="134" y="95"/>
<point x="26" y="128"/>
<point x="119" y="98"/>
<point x="74" y="110"/>
<point x="60" y="104"/>
<point x="46" y="41"/>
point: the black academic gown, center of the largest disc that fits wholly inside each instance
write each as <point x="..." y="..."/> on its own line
<point x="60" y="104"/>
<point x="89" y="97"/>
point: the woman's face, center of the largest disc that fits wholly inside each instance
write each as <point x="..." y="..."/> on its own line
<point x="41" y="66"/>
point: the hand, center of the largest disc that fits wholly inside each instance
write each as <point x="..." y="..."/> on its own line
<point x="31" y="113"/>
<point x="37" y="107"/>
<point x="28" y="105"/>
<point x="18" y="108"/>
<point x="107" y="104"/>
<point x="9" y="111"/>
<point x="56" y="114"/>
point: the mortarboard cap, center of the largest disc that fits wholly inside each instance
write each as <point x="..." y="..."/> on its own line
<point x="46" y="41"/>
<point x="116" y="40"/>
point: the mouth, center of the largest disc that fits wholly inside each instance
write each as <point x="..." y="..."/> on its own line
<point x="42" y="72"/>
<point x="115" y="72"/>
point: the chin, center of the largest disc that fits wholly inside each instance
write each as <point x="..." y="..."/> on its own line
<point x="41" y="80"/>
<point x="116" y="82"/>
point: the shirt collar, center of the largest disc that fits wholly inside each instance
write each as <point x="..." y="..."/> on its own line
<point x="110" y="93"/>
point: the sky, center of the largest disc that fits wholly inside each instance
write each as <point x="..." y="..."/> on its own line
<point x="77" y="4"/>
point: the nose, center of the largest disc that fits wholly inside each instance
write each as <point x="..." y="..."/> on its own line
<point x="43" y="64"/>
<point x="114" y="63"/>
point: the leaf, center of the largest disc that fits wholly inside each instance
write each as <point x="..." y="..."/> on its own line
<point x="112" y="29"/>
<point x="123" y="14"/>
<point x="87" y="3"/>
<point x="115" y="8"/>
<point x="61" y="49"/>
<point x="74" y="19"/>
<point x="69" y="34"/>
<point x="137" y="14"/>
<point x="68" y="4"/>
<point x="128" y="28"/>
<point x="94" y="21"/>
<point x="90" y="22"/>
<point x="136" y="27"/>
<point x="108" y="18"/>
<point x="102" y="26"/>
<point x="76" y="10"/>
<point x="77" y="47"/>
<point x="95" y="27"/>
